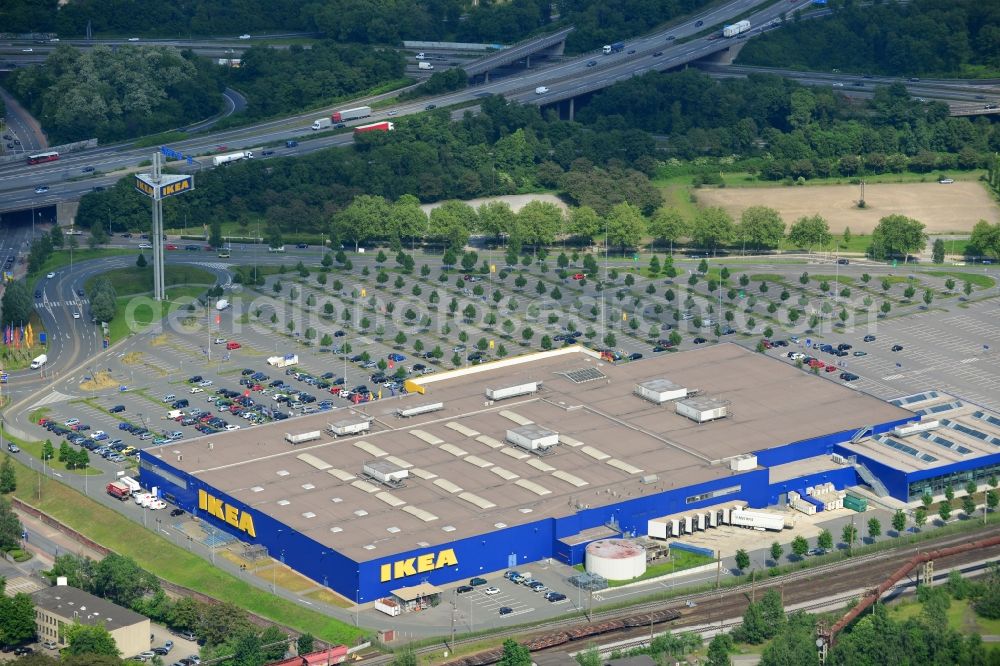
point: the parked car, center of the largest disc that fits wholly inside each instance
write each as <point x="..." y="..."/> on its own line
<point x="477" y="581"/>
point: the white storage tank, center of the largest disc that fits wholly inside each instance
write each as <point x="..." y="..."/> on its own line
<point x="702" y="408"/>
<point x="659" y="391"/>
<point x="616" y="559"/>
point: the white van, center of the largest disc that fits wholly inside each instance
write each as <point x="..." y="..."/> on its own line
<point x="541" y="90"/>
<point x="421" y="56"/>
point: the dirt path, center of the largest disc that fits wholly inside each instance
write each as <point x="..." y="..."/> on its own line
<point x="516" y="201"/>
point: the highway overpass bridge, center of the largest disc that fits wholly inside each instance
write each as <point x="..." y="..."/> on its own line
<point x="552" y="44"/>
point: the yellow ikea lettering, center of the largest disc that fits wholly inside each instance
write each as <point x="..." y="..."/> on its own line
<point x="420" y="564"/>
<point x="241" y="520"/>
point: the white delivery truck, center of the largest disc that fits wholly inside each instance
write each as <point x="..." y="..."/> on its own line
<point x="541" y="90"/>
<point x="39" y="361"/>
<point x="133" y="485"/>
<point x="321" y="123"/>
<point x="423" y="64"/>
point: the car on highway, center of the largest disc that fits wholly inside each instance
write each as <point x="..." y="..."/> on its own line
<point x="41" y="189"/>
<point x="13" y="448"/>
<point x="671" y="38"/>
<point x="244" y="36"/>
<point x="27" y="50"/>
<point x="631" y="51"/>
<point x="431" y="107"/>
<point x="145" y="246"/>
<point x="658" y="54"/>
<point x="170" y="246"/>
<point x="50" y="275"/>
<point x="698" y="24"/>
<point x="591" y="63"/>
<point x="87" y="169"/>
<point x="393" y="112"/>
<point x="946" y="181"/>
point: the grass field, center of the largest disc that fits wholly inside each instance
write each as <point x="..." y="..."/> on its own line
<point x="951" y="208"/>
<point x="961" y="617"/>
<point x="61" y="258"/>
<point x="135" y="316"/>
<point x="133" y="280"/>
<point x="977" y="279"/>
<point x="168" y="561"/>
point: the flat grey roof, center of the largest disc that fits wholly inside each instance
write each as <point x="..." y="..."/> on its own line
<point x="463" y="477"/>
<point x="72" y="603"/>
<point x="967" y="432"/>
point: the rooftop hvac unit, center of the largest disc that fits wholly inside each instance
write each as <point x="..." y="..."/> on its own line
<point x="302" y="437"/>
<point x="649" y="478"/>
<point x="659" y="391"/>
<point x="512" y="391"/>
<point x="386" y="473"/>
<point x="419" y="409"/>
<point x="533" y="438"/>
<point x="916" y="428"/>
<point x="349" y="426"/>
<point x="743" y="463"/>
<point x="703" y="408"/>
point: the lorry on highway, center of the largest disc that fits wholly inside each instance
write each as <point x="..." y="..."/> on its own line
<point x="39" y="361"/>
<point x="232" y="157"/>
<point x="119" y="490"/>
<point x="221" y="304"/>
<point x="321" y="123"/>
<point x="375" y="127"/>
<point x="736" y="28"/>
<point x="541" y="90"/>
<point x="423" y="64"/>
<point x="351" y="114"/>
<point x="617" y="47"/>
<point x="283" y="361"/>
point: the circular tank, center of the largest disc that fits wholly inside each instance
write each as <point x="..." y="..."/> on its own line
<point x="616" y="559"/>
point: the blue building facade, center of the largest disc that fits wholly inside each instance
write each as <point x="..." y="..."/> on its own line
<point x="507" y="547"/>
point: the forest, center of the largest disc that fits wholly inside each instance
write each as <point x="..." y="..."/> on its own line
<point x="507" y="148"/>
<point x="277" y="81"/>
<point x="921" y="37"/>
<point x="781" y="129"/>
<point x="358" y="21"/>
<point x="118" y="93"/>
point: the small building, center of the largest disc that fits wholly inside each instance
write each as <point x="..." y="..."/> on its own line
<point x="336" y="654"/>
<point x="417" y="597"/>
<point x="58" y="608"/>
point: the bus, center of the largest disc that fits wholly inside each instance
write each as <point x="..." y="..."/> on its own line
<point x="38" y="158"/>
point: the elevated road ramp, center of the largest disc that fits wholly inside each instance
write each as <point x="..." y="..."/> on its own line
<point x="551" y="44"/>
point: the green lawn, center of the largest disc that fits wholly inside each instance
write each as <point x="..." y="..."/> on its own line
<point x="164" y="559"/>
<point x="743" y="179"/>
<point x="977" y="279"/>
<point x="842" y="279"/>
<point x="132" y="316"/>
<point x="133" y="280"/>
<point x="61" y="258"/>
<point x="961" y="616"/>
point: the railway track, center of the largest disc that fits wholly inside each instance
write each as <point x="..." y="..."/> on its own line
<point x="862" y="572"/>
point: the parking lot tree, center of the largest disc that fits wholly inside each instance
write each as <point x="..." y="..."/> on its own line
<point x="274" y="318"/>
<point x="874" y="528"/>
<point x="527" y="333"/>
<point x="610" y="340"/>
<point x="968" y="505"/>
<point x="540" y="288"/>
<point x="849" y="534"/>
<point x="886" y="307"/>
<point x="469" y="312"/>
<point x="949" y="284"/>
<point x="311" y="300"/>
<point x="899" y="521"/>
<point x="843" y="315"/>
<point x="800" y="546"/>
<point x="399" y="282"/>
<point x="654" y="266"/>
<point x="992" y="499"/>
<point x="546" y="342"/>
<point x="949" y="492"/>
<point x="321" y="279"/>
<point x="64" y="451"/>
<point x="751" y="324"/>
<point x="986" y="238"/>
<point x="693" y="279"/>
<point x="804" y="279"/>
<point x="809" y="232"/>
<point x="909" y="292"/>
<point x="944" y="510"/>
<point x="772" y="308"/>
<point x="845" y="292"/>
<point x="937" y="251"/>
<point x="512" y="304"/>
<point x="760" y="227"/>
<point x="927" y="499"/>
<point x="520" y="281"/>
<point x="897" y="235"/>
<point x="967" y="289"/>
<point x="48" y="452"/>
<point x="776" y="552"/>
<point x="824" y="540"/>
<point x="668" y="226"/>
<point x="742" y="560"/>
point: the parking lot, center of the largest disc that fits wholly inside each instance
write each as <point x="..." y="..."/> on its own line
<point x="953" y="351"/>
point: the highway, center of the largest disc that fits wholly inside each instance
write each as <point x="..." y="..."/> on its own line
<point x="689" y="41"/>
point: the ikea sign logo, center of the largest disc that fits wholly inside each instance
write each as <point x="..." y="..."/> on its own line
<point x="241" y="520"/>
<point x="421" y="564"/>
